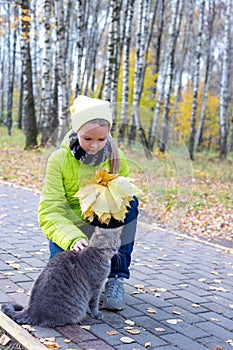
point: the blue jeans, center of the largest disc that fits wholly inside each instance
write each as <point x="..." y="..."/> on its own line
<point x="121" y="261"/>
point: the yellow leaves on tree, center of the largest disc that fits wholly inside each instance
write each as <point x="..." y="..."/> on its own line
<point x="106" y="196"/>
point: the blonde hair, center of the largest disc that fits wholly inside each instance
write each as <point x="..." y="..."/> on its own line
<point x="114" y="156"/>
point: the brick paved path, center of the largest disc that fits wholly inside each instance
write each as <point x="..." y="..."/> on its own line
<point x="179" y="296"/>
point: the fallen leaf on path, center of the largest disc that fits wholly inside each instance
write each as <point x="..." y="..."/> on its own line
<point x="151" y="310"/>
<point x="51" y="345"/>
<point x="176" y="312"/>
<point x="127" y="340"/>
<point x="159" y="329"/>
<point x="4" y="340"/>
<point x="87" y="327"/>
<point x="112" y="332"/>
<point x="174" y="321"/>
<point x="129" y="322"/>
<point x="28" y="327"/>
<point x="195" y="305"/>
<point x="133" y="331"/>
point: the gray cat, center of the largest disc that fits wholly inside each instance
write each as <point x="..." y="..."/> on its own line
<point x="69" y="284"/>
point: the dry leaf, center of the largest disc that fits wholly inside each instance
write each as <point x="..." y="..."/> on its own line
<point x="67" y="341"/>
<point x="161" y="289"/>
<point x="214" y="319"/>
<point x="87" y="327"/>
<point x="133" y="331"/>
<point x="195" y="305"/>
<point x="229" y="341"/>
<point x="176" y="312"/>
<point x="52" y="339"/>
<point x="174" y="321"/>
<point x="4" y="340"/>
<point x="219" y="289"/>
<point x="51" y="345"/>
<point x="15" y="266"/>
<point x="127" y="340"/>
<point x="28" y="327"/>
<point x="151" y="310"/>
<point x="139" y="286"/>
<point x="202" y="279"/>
<point x="112" y="332"/>
<point x="129" y="322"/>
<point x="159" y="329"/>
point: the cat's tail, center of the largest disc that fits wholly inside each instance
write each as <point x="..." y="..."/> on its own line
<point x="16" y="312"/>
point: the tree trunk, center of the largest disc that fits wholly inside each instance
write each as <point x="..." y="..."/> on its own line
<point x="112" y="53"/>
<point x="174" y="32"/>
<point x="126" y="58"/>
<point x="47" y="118"/>
<point x="196" y="80"/>
<point x="29" y="123"/>
<point x="80" y="44"/>
<point x="209" y="65"/>
<point x="61" y="68"/>
<point x="142" y="36"/>
<point x="224" y="83"/>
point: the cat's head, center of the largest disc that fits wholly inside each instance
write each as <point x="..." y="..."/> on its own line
<point x="106" y="239"/>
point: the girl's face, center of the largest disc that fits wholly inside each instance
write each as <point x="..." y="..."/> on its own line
<point x="93" y="137"/>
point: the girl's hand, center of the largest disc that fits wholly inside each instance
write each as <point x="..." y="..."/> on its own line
<point x="79" y="245"/>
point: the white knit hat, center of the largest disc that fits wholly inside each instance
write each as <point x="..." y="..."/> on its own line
<point x="86" y="108"/>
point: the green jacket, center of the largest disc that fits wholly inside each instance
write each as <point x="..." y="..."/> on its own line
<point x="59" y="213"/>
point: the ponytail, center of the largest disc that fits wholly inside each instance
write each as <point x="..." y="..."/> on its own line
<point x="114" y="157"/>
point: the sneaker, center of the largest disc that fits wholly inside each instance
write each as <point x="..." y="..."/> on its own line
<point x="114" y="297"/>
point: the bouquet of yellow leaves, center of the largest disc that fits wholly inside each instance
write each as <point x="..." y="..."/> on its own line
<point x="106" y="196"/>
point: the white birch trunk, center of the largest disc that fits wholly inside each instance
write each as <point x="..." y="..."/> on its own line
<point x="209" y="66"/>
<point x="47" y="126"/>
<point x="79" y="45"/>
<point x="126" y="58"/>
<point x="196" y="79"/>
<point x="142" y="37"/>
<point x="61" y="68"/>
<point x="177" y="9"/>
<point x="224" y="83"/>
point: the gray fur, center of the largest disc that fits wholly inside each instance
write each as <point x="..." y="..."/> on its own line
<point x="69" y="284"/>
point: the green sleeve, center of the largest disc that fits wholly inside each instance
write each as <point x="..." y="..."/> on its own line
<point x="56" y="219"/>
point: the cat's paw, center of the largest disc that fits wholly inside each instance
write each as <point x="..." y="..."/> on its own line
<point x="99" y="316"/>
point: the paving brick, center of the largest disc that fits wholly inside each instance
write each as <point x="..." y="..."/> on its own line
<point x="220" y="320"/>
<point x="215" y="343"/>
<point x="182" y="342"/>
<point x="213" y="328"/>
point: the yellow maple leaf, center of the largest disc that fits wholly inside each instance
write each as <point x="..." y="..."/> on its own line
<point x="106" y="196"/>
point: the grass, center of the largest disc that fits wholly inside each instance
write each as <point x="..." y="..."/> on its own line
<point x="194" y="197"/>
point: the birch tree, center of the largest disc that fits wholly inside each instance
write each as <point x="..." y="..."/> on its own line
<point x="224" y="83"/>
<point x="47" y="118"/>
<point x="12" y="39"/>
<point x="29" y="122"/>
<point x="112" y="55"/>
<point x="62" y="106"/>
<point x="177" y="8"/>
<point x="196" y="79"/>
<point x="142" y="36"/>
<point x="126" y="58"/>
<point x="209" y="64"/>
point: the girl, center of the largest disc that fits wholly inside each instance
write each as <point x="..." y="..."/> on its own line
<point x="86" y="148"/>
